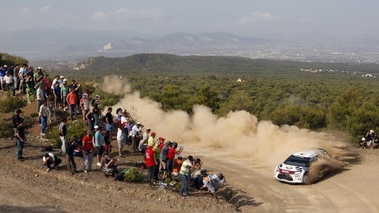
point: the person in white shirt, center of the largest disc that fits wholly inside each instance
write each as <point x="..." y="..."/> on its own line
<point x="50" y="158"/>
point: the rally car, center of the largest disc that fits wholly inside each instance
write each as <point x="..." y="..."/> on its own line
<point x="295" y="168"/>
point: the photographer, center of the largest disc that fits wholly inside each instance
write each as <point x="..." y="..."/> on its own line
<point x="109" y="166"/>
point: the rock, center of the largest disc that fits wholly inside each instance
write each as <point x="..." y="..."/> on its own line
<point x="36" y="175"/>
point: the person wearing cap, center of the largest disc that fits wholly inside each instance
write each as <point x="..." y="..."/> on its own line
<point x="151" y="140"/>
<point x="150" y="162"/>
<point x="20" y="139"/>
<point x="135" y="133"/>
<point x="16" y="118"/>
<point x="210" y="182"/>
<point x="8" y="80"/>
<point x="64" y="93"/>
<point x="185" y="171"/>
<point x="370" y="137"/>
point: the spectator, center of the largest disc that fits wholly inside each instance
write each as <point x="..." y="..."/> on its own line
<point x="75" y="86"/>
<point x="71" y="165"/>
<point x="157" y="158"/>
<point x="136" y="132"/>
<point x="40" y="96"/>
<point x="109" y="120"/>
<point x="177" y="165"/>
<point x="150" y="163"/>
<point x="107" y="141"/>
<point x="20" y="139"/>
<point x="63" y="135"/>
<point x="98" y="140"/>
<point x="151" y="140"/>
<point x="64" y="93"/>
<point x="109" y="166"/>
<point x="71" y="101"/>
<point x="29" y="89"/>
<point x="16" y="118"/>
<point x="50" y="158"/>
<point x="8" y="79"/>
<point x="211" y="180"/>
<point x="51" y="109"/>
<point x="90" y="119"/>
<point x="125" y="122"/>
<point x="87" y="145"/>
<point x="120" y="141"/>
<point x="84" y="105"/>
<point x="57" y="95"/>
<point x="171" y="156"/>
<point x="143" y="142"/>
<point x="43" y="117"/>
<point x="96" y="110"/>
<point x="184" y="173"/>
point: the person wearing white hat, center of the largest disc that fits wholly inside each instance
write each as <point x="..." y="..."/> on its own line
<point x="135" y="133"/>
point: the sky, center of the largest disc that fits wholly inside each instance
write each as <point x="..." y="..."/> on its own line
<point x="335" y="18"/>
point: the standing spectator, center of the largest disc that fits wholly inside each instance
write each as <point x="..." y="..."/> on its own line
<point x="2" y="74"/>
<point x="136" y="132"/>
<point x="184" y="173"/>
<point x="75" y="86"/>
<point x="55" y="80"/>
<point x="150" y="163"/>
<point x="151" y="140"/>
<point x="20" y="139"/>
<point x="98" y="140"/>
<point x="63" y="135"/>
<point x="71" y="100"/>
<point x="87" y="145"/>
<point x="84" y="105"/>
<point x="29" y="89"/>
<point x="40" y="96"/>
<point x="120" y="142"/>
<point x="16" y="118"/>
<point x="16" y="71"/>
<point x="157" y="157"/>
<point x="107" y="141"/>
<point x="71" y="165"/>
<point x="43" y="117"/>
<point x="64" y="92"/>
<point x="90" y="119"/>
<point x="57" y="95"/>
<point x="171" y="156"/>
<point x="8" y="79"/>
<point x="51" y="108"/>
<point x="22" y="74"/>
<point x="163" y="158"/>
<point x="50" y="158"/>
<point x="96" y="110"/>
<point x="143" y="141"/>
<point x="124" y="122"/>
<point x="109" y="120"/>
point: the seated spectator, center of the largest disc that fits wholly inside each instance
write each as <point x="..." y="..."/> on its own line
<point x="109" y="166"/>
<point x="211" y="181"/>
<point x="362" y="143"/>
<point x="197" y="178"/>
<point x="49" y="159"/>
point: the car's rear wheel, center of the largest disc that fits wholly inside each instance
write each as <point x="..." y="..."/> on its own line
<point x="305" y="178"/>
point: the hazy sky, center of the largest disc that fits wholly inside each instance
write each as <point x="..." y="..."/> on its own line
<point x="337" y="18"/>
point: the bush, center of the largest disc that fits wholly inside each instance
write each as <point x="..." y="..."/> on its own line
<point x="76" y="129"/>
<point x="6" y="128"/>
<point x="133" y="175"/>
<point x="34" y="114"/>
<point x="10" y="104"/>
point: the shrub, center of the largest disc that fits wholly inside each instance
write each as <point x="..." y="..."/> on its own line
<point x="133" y="175"/>
<point x="10" y="104"/>
<point x="34" y="114"/>
<point x="6" y="128"/>
<point x="76" y="129"/>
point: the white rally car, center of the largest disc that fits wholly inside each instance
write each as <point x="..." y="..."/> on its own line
<point x="295" y="168"/>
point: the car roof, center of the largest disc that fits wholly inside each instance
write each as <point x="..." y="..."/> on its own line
<point x="309" y="153"/>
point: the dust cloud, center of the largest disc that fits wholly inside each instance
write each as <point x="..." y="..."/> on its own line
<point x="239" y="134"/>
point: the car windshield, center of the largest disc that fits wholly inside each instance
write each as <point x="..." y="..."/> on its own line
<point x="297" y="161"/>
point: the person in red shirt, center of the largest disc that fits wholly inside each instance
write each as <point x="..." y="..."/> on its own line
<point x="170" y="157"/>
<point x="150" y="163"/>
<point x="72" y="102"/>
<point x="87" y="151"/>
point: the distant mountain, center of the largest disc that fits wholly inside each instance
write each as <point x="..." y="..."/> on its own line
<point x="65" y="44"/>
